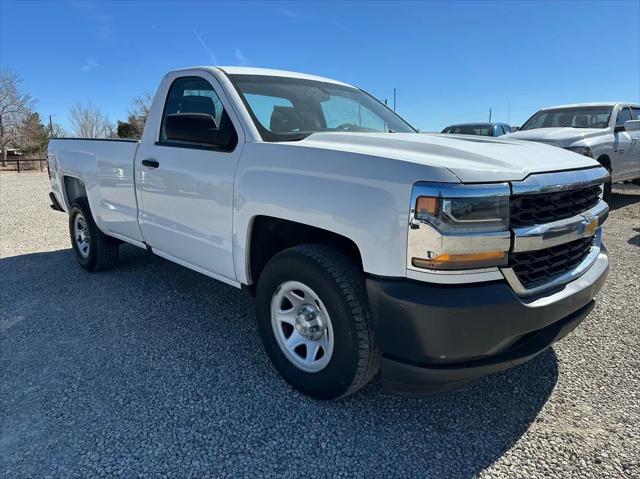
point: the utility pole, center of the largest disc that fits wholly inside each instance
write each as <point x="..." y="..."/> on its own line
<point x="489" y="115"/>
<point x="394" y="99"/>
<point x="50" y="127"/>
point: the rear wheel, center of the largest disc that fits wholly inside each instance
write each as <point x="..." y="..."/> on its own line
<point x="93" y="250"/>
<point x="314" y="319"/>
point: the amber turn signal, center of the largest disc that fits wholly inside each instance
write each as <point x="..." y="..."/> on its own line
<point x="426" y="206"/>
<point x="462" y="261"/>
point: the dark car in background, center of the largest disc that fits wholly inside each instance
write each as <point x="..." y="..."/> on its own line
<point x="482" y="129"/>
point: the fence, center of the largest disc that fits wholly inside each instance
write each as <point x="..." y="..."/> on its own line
<point x="27" y="160"/>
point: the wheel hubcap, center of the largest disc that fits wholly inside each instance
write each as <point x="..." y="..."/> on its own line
<point x="309" y="323"/>
<point x="302" y="326"/>
<point x="81" y="235"/>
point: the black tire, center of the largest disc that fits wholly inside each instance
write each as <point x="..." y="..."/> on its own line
<point x="340" y="286"/>
<point x="103" y="250"/>
<point x="608" y="187"/>
<point x="636" y="181"/>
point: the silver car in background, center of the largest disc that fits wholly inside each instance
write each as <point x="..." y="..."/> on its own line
<point x="607" y="132"/>
<point x="481" y="129"/>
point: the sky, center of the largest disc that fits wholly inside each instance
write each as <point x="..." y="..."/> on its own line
<point x="449" y="61"/>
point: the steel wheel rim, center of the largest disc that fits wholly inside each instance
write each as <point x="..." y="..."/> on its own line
<point x="305" y="340"/>
<point x="81" y="235"/>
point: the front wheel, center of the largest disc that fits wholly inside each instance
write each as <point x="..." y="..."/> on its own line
<point x="94" y="250"/>
<point x="313" y="316"/>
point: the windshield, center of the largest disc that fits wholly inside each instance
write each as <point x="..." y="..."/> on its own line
<point x="482" y="130"/>
<point x="289" y="109"/>
<point x="574" y="117"/>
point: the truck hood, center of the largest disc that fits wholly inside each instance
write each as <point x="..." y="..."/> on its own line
<point x="560" y="136"/>
<point x="470" y="158"/>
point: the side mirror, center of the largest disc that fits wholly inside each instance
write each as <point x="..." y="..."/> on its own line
<point x="191" y="128"/>
<point x="632" y="125"/>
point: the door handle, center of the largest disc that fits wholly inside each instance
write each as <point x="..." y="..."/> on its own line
<point x="150" y="163"/>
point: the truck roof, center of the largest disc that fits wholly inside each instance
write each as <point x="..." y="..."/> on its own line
<point x="277" y="73"/>
<point x="601" y="103"/>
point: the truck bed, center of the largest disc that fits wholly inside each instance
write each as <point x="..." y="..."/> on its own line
<point x="106" y="169"/>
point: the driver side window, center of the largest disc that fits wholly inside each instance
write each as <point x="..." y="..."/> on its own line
<point x="194" y="117"/>
<point x="623" y="115"/>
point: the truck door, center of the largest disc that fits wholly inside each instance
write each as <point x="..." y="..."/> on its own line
<point x="622" y="162"/>
<point x="184" y="178"/>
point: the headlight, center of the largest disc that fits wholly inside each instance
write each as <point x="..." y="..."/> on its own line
<point x="454" y="227"/>
<point x="581" y="150"/>
<point x="464" y="215"/>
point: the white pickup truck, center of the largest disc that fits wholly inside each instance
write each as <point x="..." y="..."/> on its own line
<point x="435" y="259"/>
<point x="608" y="132"/>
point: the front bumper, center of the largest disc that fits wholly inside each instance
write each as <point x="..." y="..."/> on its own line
<point x="435" y="338"/>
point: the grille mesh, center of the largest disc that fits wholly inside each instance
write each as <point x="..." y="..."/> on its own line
<point x="529" y="210"/>
<point x="534" y="268"/>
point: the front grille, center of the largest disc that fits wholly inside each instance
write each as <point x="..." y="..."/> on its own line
<point x="534" y="268"/>
<point x="529" y="210"/>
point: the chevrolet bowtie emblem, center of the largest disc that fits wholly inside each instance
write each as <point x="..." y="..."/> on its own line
<point x="589" y="225"/>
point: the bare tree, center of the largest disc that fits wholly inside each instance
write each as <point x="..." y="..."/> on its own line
<point x="141" y="106"/>
<point x="58" y="131"/>
<point x="89" y="122"/>
<point x="15" y="107"/>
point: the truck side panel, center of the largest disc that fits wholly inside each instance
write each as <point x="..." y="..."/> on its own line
<point x="106" y="169"/>
<point x="368" y="205"/>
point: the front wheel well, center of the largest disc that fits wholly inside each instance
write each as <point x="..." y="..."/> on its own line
<point x="605" y="161"/>
<point x="271" y="235"/>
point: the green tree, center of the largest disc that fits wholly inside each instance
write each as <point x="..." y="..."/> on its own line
<point x="33" y="137"/>
<point x="126" y="130"/>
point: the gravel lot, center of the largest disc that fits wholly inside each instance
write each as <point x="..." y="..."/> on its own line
<point x="153" y="370"/>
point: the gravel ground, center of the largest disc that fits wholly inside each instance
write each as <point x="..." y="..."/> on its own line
<point x="153" y="370"/>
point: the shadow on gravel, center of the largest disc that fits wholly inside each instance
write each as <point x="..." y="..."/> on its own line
<point x="620" y="199"/>
<point x="153" y="369"/>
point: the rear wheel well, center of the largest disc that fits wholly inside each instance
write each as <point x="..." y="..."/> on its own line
<point x="73" y="189"/>
<point x="271" y="235"/>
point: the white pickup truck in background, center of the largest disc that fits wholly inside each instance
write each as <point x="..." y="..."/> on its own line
<point x="608" y="132"/>
<point x="435" y="258"/>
